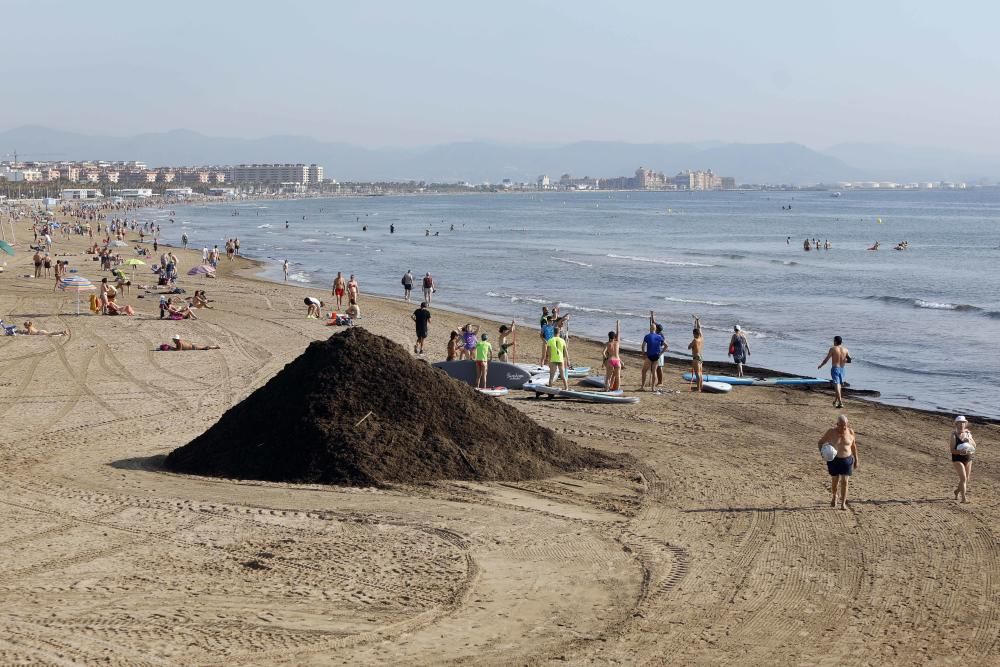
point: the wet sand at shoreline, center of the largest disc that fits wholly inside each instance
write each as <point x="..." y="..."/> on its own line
<point x="719" y="547"/>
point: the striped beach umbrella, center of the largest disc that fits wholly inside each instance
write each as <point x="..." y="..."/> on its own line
<point x="7" y="248"/>
<point x="76" y="284"/>
<point x="203" y="270"/>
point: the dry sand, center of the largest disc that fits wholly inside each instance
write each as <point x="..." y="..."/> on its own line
<point x="719" y="548"/>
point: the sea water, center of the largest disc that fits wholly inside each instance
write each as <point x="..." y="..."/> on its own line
<point x="922" y="324"/>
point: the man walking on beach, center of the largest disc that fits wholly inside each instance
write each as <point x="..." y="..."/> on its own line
<point x="838" y="355"/>
<point x="407" y="285"/>
<point x="422" y="317"/>
<point x="842" y="438"/>
<point x="339" y="286"/>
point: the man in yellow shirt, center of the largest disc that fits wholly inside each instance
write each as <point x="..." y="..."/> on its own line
<point x="484" y="354"/>
<point x="555" y="356"/>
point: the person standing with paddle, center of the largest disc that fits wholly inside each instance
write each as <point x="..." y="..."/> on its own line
<point x="508" y="341"/>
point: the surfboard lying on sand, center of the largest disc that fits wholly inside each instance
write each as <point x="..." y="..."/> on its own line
<point x="594" y="381"/>
<point x="493" y="391"/>
<point x="498" y="373"/>
<point x="759" y="382"/>
<point x="535" y="369"/>
<point x="593" y="396"/>
<point x="712" y="387"/>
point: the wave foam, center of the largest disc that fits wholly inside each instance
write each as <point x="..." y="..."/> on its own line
<point x="932" y="305"/>
<point x="572" y="261"/>
<point x="651" y="260"/>
<point x="706" y="303"/>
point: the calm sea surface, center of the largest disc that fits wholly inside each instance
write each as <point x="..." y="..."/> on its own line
<point x="923" y="324"/>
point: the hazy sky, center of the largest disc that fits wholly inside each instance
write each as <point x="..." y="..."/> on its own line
<point x="412" y="73"/>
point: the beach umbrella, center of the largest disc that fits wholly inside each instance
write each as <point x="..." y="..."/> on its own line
<point x="133" y="262"/>
<point x="7" y="248"/>
<point x="76" y="284"/>
<point x="203" y="270"/>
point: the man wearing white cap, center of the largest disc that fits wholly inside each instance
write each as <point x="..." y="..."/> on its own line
<point x="184" y="346"/>
<point x="846" y="461"/>
<point x="963" y="448"/>
<point x="739" y="349"/>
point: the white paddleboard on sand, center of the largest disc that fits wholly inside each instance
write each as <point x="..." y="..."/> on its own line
<point x="493" y="391"/>
<point x="592" y="396"/>
<point x="716" y="387"/>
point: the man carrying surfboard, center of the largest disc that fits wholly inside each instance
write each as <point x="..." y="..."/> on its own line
<point x="838" y="355"/>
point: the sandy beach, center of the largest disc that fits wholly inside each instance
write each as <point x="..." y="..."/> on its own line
<point x="719" y="547"/>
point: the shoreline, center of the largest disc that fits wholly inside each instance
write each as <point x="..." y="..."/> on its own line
<point x="678" y="360"/>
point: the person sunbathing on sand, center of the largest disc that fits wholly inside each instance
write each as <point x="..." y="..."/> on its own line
<point x="179" y="310"/>
<point x="199" y="300"/>
<point x="181" y="345"/>
<point x="30" y="330"/>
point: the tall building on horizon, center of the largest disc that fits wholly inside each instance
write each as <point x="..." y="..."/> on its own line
<point x="275" y="173"/>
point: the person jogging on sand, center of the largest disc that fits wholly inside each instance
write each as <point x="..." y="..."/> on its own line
<point x="838" y="355"/>
<point x="846" y="461"/>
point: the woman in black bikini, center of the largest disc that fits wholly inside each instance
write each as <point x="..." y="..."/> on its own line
<point x="961" y="460"/>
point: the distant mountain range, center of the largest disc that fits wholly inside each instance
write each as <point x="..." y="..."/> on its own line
<point x="476" y="162"/>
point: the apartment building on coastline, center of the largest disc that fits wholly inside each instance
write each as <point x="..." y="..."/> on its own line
<point x="275" y="174"/>
<point x="644" y="179"/>
<point x="134" y="174"/>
